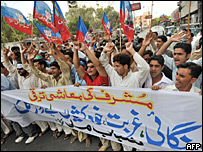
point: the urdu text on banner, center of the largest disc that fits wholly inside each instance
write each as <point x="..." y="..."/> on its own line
<point x="158" y="120"/>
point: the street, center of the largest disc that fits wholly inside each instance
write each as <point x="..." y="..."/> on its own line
<point x="48" y="143"/>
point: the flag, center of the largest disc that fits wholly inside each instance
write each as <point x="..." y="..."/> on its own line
<point x="48" y="34"/>
<point x="126" y="19"/>
<point x="162" y="16"/>
<point x="16" y="19"/>
<point x="43" y="13"/>
<point x="59" y="24"/>
<point x="106" y="24"/>
<point x="82" y="34"/>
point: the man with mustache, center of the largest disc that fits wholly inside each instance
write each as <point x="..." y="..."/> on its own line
<point x="186" y="75"/>
<point x="157" y="77"/>
<point x="182" y="53"/>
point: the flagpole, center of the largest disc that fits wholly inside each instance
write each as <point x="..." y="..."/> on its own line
<point x="17" y="37"/>
<point x="32" y="31"/>
<point x="15" y="33"/>
<point x="151" y="16"/>
<point x="55" y="35"/>
<point x="59" y="14"/>
<point x="188" y="26"/>
<point x="120" y="37"/>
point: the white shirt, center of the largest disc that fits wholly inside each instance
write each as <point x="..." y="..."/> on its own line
<point x="173" y="88"/>
<point x="163" y="82"/>
<point x="31" y="81"/>
<point x="133" y="79"/>
<point x="171" y="65"/>
<point x="27" y="67"/>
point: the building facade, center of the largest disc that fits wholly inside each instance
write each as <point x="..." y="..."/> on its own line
<point x="141" y="21"/>
<point x="180" y="15"/>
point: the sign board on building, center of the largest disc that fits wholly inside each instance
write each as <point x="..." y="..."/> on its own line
<point x="177" y="16"/>
<point x="136" y="6"/>
<point x="148" y="16"/>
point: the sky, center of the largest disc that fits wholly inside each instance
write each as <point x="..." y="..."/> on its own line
<point x="159" y="7"/>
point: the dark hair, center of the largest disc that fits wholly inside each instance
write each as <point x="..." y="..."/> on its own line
<point x="155" y="33"/>
<point x="83" y="60"/>
<point x="40" y="62"/>
<point x="196" y="69"/>
<point x="163" y="38"/>
<point x="15" y="48"/>
<point x="123" y="47"/>
<point x="100" y="48"/>
<point x="158" y="58"/>
<point x="148" y="52"/>
<point x="97" y="53"/>
<point x="42" y="54"/>
<point x="122" y="58"/>
<point x="89" y="61"/>
<point x="2" y="66"/>
<point x="54" y="63"/>
<point x="70" y="53"/>
<point x="185" y="46"/>
<point x="140" y="40"/>
<point x="125" y="40"/>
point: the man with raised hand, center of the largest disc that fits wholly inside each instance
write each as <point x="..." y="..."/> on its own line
<point x="60" y="77"/>
<point x="121" y="75"/>
<point x="94" y="76"/>
<point x="182" y="52"/>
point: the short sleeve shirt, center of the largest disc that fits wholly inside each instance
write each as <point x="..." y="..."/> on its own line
<point x="99" y="81"/>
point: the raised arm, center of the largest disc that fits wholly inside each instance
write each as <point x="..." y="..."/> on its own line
<point x="145" y="43"/>
<point x="94" y="60"/>
<point x="76" y="60"/>
<point x="5" y="54"/>
<point x="23" y="51"/>
<point x="177" y="37"/>
<point x="59" y="54"/>
<point x="142" y="65"/>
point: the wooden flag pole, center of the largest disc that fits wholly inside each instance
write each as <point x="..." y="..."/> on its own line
<point x="120" y="37"/>
<point x="59" y="14"/>
<point x="188" y="26"/>
<point x="32" y="32"/>
<point x="151" y="16"/>
<point x="17" y="37"/>
<point x="15" y="33"/>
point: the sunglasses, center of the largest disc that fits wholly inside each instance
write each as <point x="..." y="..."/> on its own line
<point x="91" y="66"/>
<point x="19" y="68"/>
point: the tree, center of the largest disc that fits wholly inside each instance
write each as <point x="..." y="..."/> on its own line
<point x="92" y="18"/>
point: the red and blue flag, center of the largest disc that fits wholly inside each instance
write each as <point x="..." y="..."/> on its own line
<point x="162" y="16"/>
<point x="48" y="34"/>
<point x="106" y="24"/>
<point x="43" y="13"/>
<point x="59" y="24"/>
<point x="16" y="19"/>
<point x="82" y="34"/>
<point x="126" y="19"/>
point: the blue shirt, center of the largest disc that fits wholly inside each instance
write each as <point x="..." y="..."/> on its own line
<point x="77" y="76"/>
<point x="6" y="84"/>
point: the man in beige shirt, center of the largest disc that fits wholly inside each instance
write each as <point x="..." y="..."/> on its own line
<point x="60" y="76"/>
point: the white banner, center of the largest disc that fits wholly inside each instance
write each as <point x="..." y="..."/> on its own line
<point x="141" y="118"/>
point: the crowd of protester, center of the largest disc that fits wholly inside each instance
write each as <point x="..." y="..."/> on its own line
<point x="143" y="63"/>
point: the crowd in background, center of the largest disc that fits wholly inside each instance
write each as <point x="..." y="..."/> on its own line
<point x="143" y="63"/>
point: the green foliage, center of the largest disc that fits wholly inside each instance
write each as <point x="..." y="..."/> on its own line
<point x="92" y="18"/>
